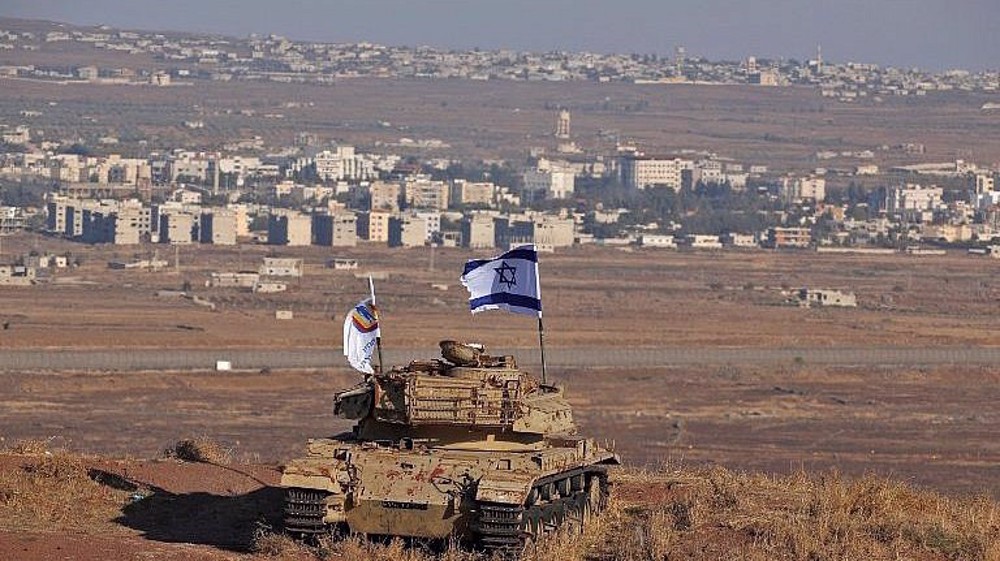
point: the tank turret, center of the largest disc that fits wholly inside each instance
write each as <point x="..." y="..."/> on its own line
<point x="467" y="446"/>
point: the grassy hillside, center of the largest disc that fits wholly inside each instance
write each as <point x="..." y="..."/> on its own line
<point x="676" y="512"/>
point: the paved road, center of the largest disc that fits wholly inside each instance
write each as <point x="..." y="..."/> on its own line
<point x="197" y="359"/>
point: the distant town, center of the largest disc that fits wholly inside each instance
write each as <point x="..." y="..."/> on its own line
<point x="315" y="192"/>
<point x="180" y="58"/>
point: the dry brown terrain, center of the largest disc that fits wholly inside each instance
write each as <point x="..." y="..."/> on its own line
<point x="779" y="127"/>
<point x="58" y="505"/>
<point x="930" y="426"/>
<point x="595" y="296"/>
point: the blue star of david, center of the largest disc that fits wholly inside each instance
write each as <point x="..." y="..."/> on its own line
<point x="506" y="273"/>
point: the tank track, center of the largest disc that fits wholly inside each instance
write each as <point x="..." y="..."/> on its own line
<point x="506" y="529"/>
<point x="304" y="511"/>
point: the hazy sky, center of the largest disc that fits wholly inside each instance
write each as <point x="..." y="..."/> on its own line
<point x="931" y="34"/>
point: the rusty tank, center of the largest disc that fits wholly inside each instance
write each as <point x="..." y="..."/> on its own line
<point x="469" y="448"/>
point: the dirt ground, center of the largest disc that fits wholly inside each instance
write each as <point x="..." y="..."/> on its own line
<point x="782" y="128"/>
<point x="934" y="427"/>
<point x="592" y="296"/>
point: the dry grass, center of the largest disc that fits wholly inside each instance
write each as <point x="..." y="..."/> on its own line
<point x="45" y="490"/>
<point x="201" y="449"/>
<point x="30" y="447"/>
<point x="801" y="516"/>
<point x="710" y="514"/>
<point x="675" y="512"/>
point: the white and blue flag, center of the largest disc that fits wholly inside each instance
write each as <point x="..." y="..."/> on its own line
<point x="507" y="282"/>
<point x="361" y="333"/>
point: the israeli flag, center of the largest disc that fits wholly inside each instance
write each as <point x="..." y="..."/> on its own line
<point x="508" y="282"/>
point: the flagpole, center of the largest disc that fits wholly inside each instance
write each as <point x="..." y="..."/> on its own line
<point x="378" y="338"/>
<point x="541" y="328"/>
<point x="541" y="343"/>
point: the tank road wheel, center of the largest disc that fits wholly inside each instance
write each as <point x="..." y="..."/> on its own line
<point x="304" y="512"/>
<point x="500" y="527"/>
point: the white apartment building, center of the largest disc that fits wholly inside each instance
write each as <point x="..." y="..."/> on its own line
<point x="342" y="164"/>
<point x="555" y="182"/>
<point x="803" y="189"/>
<point x="913" y="198"/>
<point x="641" y="172"/>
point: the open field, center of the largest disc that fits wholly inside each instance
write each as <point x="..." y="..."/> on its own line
<point x="927" y="421"/>
<point x="932" y="425"/>
<point x="592" y="296"/>
<point x="779" y="127"/>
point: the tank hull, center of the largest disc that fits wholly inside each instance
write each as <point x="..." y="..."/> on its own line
<point x="474" y="493"/>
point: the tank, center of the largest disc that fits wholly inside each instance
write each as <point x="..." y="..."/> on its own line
<point x="469" y="448"/>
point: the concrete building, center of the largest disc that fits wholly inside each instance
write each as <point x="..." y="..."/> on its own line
<point x="132" y="224"/>
<point x="913" y="198"/>
<point x="179" y="227"/>
<point x="16" y="275"/>
<point x="218" y="227"/>
<point x="733" y="239"/>
<point x="478" y="231"/>
<point x="242" y="279"/>
<point x="641" y="171"/>
<point x="384" y="196"/>
<point x="665" y="241"/>
<point x="289" y="228"/>
<point x="426" y="194"/>
<point x="342" y="164"/>
<point x="432" y="222"/>
<point x="373" y="226"/>
<point x="547" y="232"/>
<point x="555" y="182"/>
<point x="816" y="297"/>
<point x="789" y="237"/>
<point x="407" y="231"/>
<point x="335" y="230"/>
<point x="803" y="189"/>
<point x="480" y="194"/>
<point x="242" y="219"/>
<point x="701" y="241"/>
<point x="281" y="267"/>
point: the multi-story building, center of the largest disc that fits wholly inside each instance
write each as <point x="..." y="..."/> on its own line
<point x="641" y="171"/>
<point x="407" y="231"/>
<point x="545" y="231"/>
<point x="132" y="223"/>
<point x="554" y="182"/>
<point x="478" y="231"/>
<point x="426" y="194"/>
<point x="374" y="226"/>
<point x="179" y="227"/>
<point x="289" y="228"/>
<point x="384" y="196"/>
<point x="342" y="164"/>
<point x="335" y="230"/>
<point x="218" y="227"/>
<point x="789" y="237"/>
<point x="803" y="189"/>
<point x="913" y="203"/>
<point x="481" y="194"/>
<point x="432" y="221"/>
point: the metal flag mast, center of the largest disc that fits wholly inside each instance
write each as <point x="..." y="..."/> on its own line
<point x="378" y="319"/>
<point x="541" y="328"/>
